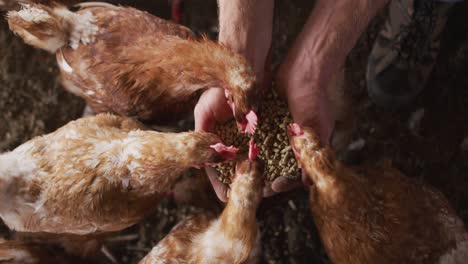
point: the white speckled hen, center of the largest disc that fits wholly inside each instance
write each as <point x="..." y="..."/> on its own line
<point x="126" y="61"/>
<point x="377" y="215"/>
<point x="232" y="237"/>
<point x="97" y="174"/>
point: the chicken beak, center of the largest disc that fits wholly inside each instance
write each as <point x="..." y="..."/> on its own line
<point x="229" y="153"/>
<point x="249" y="124"/>
<point x="295" y="130"/>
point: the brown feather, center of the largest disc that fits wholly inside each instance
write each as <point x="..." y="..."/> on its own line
<point x="231" y="238"/>
<point x="378" y="215"/>
<point x="97" y="174"/>
<point x="142" y="66"/>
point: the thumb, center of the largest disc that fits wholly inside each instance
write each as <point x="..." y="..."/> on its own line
<point x="283" y="184"/>
<point x="219" y="188"/>
<point x="211" y="108"/>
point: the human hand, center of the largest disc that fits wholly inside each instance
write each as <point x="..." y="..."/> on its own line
<point x="243" y="31"/>
<point x="308" y="103"/>
<point x="212" y="108"/>
<point x="307" y="98"/>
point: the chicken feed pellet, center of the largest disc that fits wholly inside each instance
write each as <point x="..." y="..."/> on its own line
<point x="271" y="137"/>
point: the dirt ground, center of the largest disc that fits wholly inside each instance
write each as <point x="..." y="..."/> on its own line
<point x="33" y="103"/>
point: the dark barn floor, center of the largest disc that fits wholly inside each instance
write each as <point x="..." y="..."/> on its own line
<point x="33" y="103"/>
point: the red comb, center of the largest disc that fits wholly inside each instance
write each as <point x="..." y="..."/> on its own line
<point x="176" y="10"/>
<point x="295" y="130"/>
<point x="252" y="121"/>
<point x="228" y="152"/>
<point x="253" y="150"/>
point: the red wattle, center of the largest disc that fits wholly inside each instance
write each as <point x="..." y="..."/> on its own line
<point x="253" y="150"/>
<point x="176" y="10"/>
<point x="252" y="121"/>
<point x="228" y="152"/>
<point x="295" y="130"/>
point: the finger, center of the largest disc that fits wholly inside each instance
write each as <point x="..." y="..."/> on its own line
<point x="219" y="106"/>
<point x="268" y="191"/>
<point x="204" y="119"/>
<point x="219" y="188"/>
<point x="211" y="108"/>
<point x="283" y="184"/>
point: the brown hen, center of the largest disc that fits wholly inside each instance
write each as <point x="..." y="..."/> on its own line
<point x="377" y="215"/>
<point x="126" y="61"/>
<point x="97" y="174"/>
<point x="232" y="237"/>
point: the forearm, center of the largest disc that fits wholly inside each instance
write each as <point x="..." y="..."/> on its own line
<point x="246" y="27"/>
<point x="330" y="33"/>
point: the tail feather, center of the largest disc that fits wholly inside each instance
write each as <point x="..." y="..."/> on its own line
<point x="51" y="28"/>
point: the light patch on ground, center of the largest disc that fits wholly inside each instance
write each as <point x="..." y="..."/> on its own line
<point x="459" y="255"/>
<point x="357" y="145"/>
<point x="414" y="122"/>
<point x="464" y="144"/>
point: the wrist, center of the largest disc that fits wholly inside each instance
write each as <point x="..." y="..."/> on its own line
<point x="307" y="97"/>
<point x="312" y="109"/>
<point x="245" y="32"/>
<point x="255" y="50"/>
<point x="331" y="31"/>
